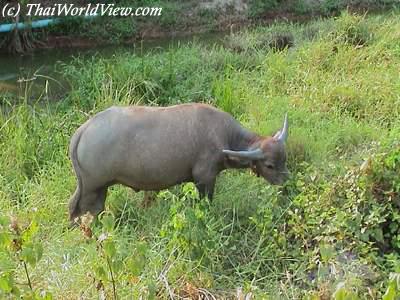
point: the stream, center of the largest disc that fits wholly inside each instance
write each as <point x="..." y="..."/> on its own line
<point x="36" y="74"/>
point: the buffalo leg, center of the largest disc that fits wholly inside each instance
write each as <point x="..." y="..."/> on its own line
<point x="93" y="201"/>
<point x="206" y="190"/>
<point x="204" y="179"/>
<point x="148" y="198"/>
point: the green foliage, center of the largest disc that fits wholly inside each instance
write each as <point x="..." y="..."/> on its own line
<point x="190" y="228"/>
<point x="332" y="6"/>
<point x="106" y="29"/>
<point x="67" y="25"/>
<point x="352" y="30"/>
<point x="258" y="7"/>
<point x="194" y="16"/>
<point x="342" y="293"/>
<point x="393" y="290"/>
<point x="227" y="94"/>
<point x="276" y="37"/>
<point x="20" y="248"/>
<point x="331" y="232"/>
<point x="158" y="79"/>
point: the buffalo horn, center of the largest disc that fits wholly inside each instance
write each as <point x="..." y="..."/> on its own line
<point x="282" y="134"/>
<point x="250" y="154"/>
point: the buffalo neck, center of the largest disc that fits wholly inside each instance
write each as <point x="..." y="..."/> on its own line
<point x="242" y="139"/>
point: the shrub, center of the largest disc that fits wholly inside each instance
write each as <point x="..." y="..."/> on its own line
<point x="258" y="7"/>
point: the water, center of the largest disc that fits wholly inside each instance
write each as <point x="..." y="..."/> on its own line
<point x="36" y="74"/>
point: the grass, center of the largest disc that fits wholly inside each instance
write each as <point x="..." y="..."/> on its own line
<point x="194" y="16"/>
<point x="332" y="231"/>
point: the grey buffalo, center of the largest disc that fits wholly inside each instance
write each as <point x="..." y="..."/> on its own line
<point x="154" y="148"/>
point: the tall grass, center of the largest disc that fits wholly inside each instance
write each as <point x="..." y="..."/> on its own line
<point x="329" y="227"/>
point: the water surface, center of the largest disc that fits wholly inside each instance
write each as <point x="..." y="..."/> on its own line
<point x="36" y="74"/>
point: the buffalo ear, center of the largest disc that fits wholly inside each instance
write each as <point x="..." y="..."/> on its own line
<point x="237" y="162"/>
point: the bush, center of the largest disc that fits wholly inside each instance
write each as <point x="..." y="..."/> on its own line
<point x="258" y="7"/>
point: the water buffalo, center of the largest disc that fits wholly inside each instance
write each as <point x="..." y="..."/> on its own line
<point x="153" y="148"/>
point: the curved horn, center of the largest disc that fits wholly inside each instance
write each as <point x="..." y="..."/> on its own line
<point x="282" y="134"/>
<point x="277" y="134"/>
<point x="251" y="154"/>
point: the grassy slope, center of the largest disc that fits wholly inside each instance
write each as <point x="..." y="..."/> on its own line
<point x="329" y="224"/>
<point x="202" y="16"/>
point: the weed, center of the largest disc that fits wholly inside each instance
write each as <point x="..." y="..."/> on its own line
<point x="19" y="249"/>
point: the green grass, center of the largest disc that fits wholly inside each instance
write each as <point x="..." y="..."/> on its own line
<point x="331" y="230"/>
<point x="193" y="16"/>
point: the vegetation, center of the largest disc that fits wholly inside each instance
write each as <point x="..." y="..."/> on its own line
<point x="177" y="18"/>
<point x="331" y="232"/>
<point x="259" y="8"/>
<point x="203" y="16"/>
<point x="19" y="41"/>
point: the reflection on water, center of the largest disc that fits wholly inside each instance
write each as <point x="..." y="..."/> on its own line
<point x="37" y="72"/>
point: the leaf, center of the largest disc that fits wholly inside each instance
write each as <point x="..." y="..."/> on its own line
<point x="38" y="251"/>
<point x="117" y="266"/>
<point x="342" y="293"/>
<point x="109" y="248"/>
<point x="378" y="234"/>
<point x="390" y="293"/>
<point x="327" y="252"/>
<point x="108" y="222"/>
<point x="32" y="253"/>
<point x="28" y="234"/>
<point x="28" y="255"/>
<point x="136" y="264"/>
<point x="141" y="248"/>
<point x="152" y="288"/>
<point x="5" y="239"/>
<point x="47" y="296"/>
<point x="4" y="221"/>
<point x="100" y="273"/>
<point x="6" y="284"/>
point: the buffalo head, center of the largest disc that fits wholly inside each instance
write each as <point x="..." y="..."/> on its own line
<point x="267" y="156"/>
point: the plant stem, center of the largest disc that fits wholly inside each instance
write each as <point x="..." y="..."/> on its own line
<point x="112" y="278"/>
<point x="27" y="275"/>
